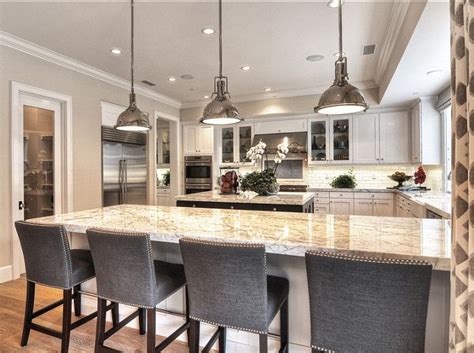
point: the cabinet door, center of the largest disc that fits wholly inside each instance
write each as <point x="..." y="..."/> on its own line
<point x="363" y="207"/>
<point x="383" y="208"/>
<point x="228" y="144"/>
<point x="416" y="134"/>
<point x="189" y="139"/>
<point x="394" y="138"/>
<point x="244" y="142"/>
<point x="318" y="142"/>
<point x="321" y="208"/>
<point x="205" y="139"/>
<point x="365" y="138"/>
<point x="341" y="136"/>
<point x="280" y="126"/>
<point x="341" y="206"/>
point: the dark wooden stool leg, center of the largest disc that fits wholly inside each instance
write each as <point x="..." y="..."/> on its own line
<point x="222" y="339"/>
<point x="142" y="320"/>
<point x="29" y="305"/>
<point x="284" y="327"/>
<point x="115" y="314"/>
<point x="194" y="347"/>
<point x="77" y="300"/>
<point x="263" y="343"/>
<point x="186" y="308"/>
<point x="67" y="308"/>
<point x="151" y="330"/>
<point x="100" y="328"/>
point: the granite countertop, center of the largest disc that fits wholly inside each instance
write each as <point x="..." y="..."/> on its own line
<point x="435" y="201"/>
<point x="281" y="232"/>
<point x="282" y="198"/>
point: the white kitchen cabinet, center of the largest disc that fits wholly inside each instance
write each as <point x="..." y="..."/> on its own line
<point x="363" y="207"/>
<point x="341" y="206"/>
<point x="321" y="208"/>
<point x="366" y="138"/>
<point x="376" y="204"/>
<point x="232" y="143"/>
<point x="426" y="132"/>
<point x="198" y="140"/>
<point x="330" y="140"/>
<point x="280" y="126"/>
<point x="394" y="137"/>
<point x="383" y="208"/>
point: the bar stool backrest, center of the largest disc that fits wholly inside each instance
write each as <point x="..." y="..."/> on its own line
<point x="227" y="283"/>
<point x="367" y="304"/>
<point x="47" y="254"/>
<point x="124" y="267"/>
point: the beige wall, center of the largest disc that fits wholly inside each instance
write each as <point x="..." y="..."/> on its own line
<point x="86" y="93"/>
<point x="276" y="106"/>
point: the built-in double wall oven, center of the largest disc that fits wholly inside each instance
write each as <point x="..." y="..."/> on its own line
<point x="198" y="172"/>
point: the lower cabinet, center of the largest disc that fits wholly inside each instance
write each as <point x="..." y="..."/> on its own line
<point x="321" y="208"/>
<point x="376" y="204"/>
<point x="341" y="206"/>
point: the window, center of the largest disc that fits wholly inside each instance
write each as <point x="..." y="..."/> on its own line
<point x="446" y="121"/>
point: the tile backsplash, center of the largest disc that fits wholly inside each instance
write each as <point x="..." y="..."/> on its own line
<point x="372" y="176"/>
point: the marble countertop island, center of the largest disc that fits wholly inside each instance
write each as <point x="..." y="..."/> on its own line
<point x="281" y="232"/>
<point x="282" y="198"/>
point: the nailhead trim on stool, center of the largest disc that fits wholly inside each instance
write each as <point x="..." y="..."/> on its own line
<point x="368" y="258"/>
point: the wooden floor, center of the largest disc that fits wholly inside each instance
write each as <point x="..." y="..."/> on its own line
<point x="12" y="300"/>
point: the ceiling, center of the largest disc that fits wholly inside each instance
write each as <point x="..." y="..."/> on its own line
<point x="273" y="38"/>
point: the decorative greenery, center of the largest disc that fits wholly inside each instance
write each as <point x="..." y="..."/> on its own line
<point x="259" y="182"/>
<point x="167" y="178"/>
<point x="345" y="181"/>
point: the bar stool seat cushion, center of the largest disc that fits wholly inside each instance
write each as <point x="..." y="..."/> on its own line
<point x="169" y="278"/>
<point x="82" y="266"/>
<point x="277" y="292"/>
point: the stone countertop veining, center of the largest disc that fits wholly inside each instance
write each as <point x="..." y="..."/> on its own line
<point x="282" y="198"/>
<point x="281" y="232"/>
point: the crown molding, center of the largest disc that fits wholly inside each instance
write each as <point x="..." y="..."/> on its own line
<point x="280" y="94"/>
<point x="13" y="42"/>
<point x="398" y="14"/>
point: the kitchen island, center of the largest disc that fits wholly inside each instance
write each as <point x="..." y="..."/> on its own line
<point x="283" y="201"/>
<point x="286" y="237"/>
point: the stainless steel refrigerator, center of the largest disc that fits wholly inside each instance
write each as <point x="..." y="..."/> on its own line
<point x="124" y="169"/>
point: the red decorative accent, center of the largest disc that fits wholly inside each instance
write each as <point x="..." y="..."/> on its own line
<point x="229" y="183"/>
<point x="420" y="175"/>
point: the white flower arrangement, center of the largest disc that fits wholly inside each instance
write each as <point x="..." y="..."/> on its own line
<point x="257" y="152"/>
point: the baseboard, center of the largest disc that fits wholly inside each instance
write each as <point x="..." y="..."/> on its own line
<point x="6" y="274"/>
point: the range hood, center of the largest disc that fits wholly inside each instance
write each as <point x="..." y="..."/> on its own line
<point x="297" y="142"/>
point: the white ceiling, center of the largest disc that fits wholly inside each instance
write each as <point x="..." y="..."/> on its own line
<point x="274" y="38"/>
<point x="427" y="50"/>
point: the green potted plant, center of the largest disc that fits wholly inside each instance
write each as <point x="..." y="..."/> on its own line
<point x="345" y="181"/>
<point x="263" y="182"/>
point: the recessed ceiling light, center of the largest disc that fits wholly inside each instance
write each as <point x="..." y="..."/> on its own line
<point x="245" y="68"/>
<point x="415" y="93"/>
<point x="336" y="54"/>
<point x="208" y="31"/>
<point x="315" y="57"/>
<point x="335" y="3"/>
<point x="115" y="51"/>
<point x="187" y="77"/>
<point x="267" y="89"/>
<point x="171" y="79"/>
<point x="434" y="72"/>
<point x="205" y="97"/>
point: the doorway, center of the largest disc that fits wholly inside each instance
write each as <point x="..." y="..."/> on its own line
<point x="41" y="179"/>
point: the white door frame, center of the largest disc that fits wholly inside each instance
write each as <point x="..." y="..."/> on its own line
<point x="19" y="90"/>
<point x="175" y="166"/>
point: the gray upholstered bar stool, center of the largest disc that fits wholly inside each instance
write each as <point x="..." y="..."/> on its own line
<point x="49" y="261"/>
<point x="228" y="287"/>
<point x="365" y="304"/>
<point x="126" y="273"/>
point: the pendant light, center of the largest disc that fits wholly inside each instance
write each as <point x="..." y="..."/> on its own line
<point x="220" y="111"/>
<point x="132" y="119"/>
<point x="341" y="97"/>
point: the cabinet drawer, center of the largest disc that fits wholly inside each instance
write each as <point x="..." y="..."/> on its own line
<point x="321" y="200"/>
<point x="341" y="195"/>
<point x="321" y="194"/>
<point x="374" y="195"/>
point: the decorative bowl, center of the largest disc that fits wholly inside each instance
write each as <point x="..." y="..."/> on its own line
<point x="400" y="178"/>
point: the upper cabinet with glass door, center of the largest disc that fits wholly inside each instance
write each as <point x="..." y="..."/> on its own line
<point x="330" y="140"/>
<point x="232" y="143"/>
<point x="163" y="146"/>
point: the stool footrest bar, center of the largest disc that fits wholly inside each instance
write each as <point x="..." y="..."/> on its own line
<point x="166" y="342"/>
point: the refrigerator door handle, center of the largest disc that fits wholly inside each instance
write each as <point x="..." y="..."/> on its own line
<point x="120" y="182"/>
<point x="125" y="181"/>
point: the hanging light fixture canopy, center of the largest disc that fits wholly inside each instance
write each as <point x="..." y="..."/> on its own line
<point x="341" y="97"/>
<point x="220" y="111"/>
<point x="132" y="119"/>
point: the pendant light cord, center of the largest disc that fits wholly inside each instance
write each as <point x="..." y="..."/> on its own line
<point x="132" y="5"/>
<point x="340" y="28"/>
<point x="220" y="38"/>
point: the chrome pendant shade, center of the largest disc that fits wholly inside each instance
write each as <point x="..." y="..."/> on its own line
<point x="220" y="111"/>
<point x="132" y="119"/>
<point x="341" y="97"/>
